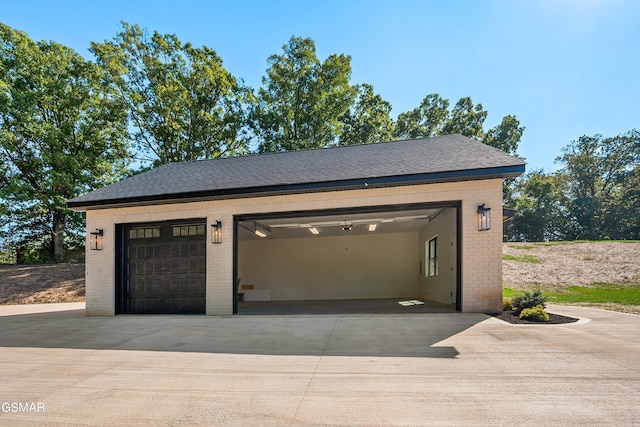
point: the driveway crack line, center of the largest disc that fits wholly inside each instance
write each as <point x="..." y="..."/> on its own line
<point x="315" y="370"/>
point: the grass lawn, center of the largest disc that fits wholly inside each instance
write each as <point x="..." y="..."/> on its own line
<point x="596" y="294"/>
<point x="522" y="258"/>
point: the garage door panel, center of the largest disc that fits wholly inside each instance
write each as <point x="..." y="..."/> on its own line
<point x="165" y="268"/>
<point x="186" y="304"/>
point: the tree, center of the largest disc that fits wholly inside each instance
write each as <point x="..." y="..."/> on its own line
<point x="426" y="120"/>
<point x="629" y="224"/>
<point x="601" y="194"/>
<point x="540" y="208"/>
<point x="433" y="118"/>
<point x="183" y="104"/>
<point x="466" y="119"/>
<point x="505" y="136"/>
<point x="302" y="99"/>
<point x="62" y="133"/>
<point x="368" y="121"/>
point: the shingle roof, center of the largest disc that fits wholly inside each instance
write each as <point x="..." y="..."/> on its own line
<point x="437" y="159"/>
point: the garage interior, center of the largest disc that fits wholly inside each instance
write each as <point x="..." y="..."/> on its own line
<point x="392" y="259"/>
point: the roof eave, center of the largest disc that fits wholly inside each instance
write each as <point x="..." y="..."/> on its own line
<point x="311" y="187"/>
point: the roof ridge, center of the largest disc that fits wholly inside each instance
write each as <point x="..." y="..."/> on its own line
<point x="311" y="149"/>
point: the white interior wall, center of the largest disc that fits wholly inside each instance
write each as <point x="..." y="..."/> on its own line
<point x="440" y="288"/>
<point x="382" y="265"/>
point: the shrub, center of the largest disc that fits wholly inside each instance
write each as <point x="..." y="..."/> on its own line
<point x="507" y="304"/>
<point x="535" y="314"/>
<point x="528" y="300"/>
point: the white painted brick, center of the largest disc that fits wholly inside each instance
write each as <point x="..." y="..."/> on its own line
<point x="481" y="251"/>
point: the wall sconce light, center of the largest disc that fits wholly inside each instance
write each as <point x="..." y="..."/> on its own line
<point x="484" y="218"/>
<point x="96" y="240"/>
<point x="216" y="232"/>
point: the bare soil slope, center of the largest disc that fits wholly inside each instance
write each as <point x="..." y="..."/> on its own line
<point x="35" y="284"/>
<point x="564" y="264"/>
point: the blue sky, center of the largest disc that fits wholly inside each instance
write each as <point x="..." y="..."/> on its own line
<point x="565" y="68"/>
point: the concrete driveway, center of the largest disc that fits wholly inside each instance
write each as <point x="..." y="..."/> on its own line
<point x="63" y="368"/>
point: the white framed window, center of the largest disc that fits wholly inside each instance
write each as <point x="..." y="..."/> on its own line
<point x="432" y="257"/>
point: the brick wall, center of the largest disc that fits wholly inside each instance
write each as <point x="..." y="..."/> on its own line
<point x="481" y="251"/>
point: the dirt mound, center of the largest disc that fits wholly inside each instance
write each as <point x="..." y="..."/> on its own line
<point x="35" y="284"/>
<point x="563" y="264"/>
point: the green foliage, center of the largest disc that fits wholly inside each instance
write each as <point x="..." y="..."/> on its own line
<point x="183" y="104"/>
<point x="507" y="304"/>
<point x="528" y="300"/>
<point x="302" y="99"/>
<point x="595" y="196"/>
<point x="466" y="119"/>
<point x="428" y="119"/>
<point x="539" y="201"/>
<point x="522" y="258"/>
<point x="368" y="121"/>
<point x="535" y="314"/>
<point x="433" y="117"/>
<point x="602" y="195"/>
<point x="62" y="133"/>
<point x="7" y="257"/>
<point x="33" y="255"/>
<point x="505" y="136"/>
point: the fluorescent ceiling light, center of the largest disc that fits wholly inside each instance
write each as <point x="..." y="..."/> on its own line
<point x="311" y="228"/>
<point x="372" y="227"/>
<point x="260" y="233"/>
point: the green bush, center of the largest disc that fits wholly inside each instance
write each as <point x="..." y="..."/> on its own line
<point x="7" y="257"/>
<point x="528" y="300"/>
<point x="507" y="304"/>
<point x="535" y="314"/>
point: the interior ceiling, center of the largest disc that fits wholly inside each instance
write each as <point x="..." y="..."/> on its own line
<point x="338" y="225"/>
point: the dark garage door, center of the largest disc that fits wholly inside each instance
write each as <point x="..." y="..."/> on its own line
<point x="163" y="268"/>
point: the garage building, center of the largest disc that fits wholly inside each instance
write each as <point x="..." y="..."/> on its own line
<point x="400" y="221"/>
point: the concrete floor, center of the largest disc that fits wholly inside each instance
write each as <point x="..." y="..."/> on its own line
<point x="392" y="369"/>
<point x="345" y="306"/>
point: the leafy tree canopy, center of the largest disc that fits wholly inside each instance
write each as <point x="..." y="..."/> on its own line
<point x="594" y="196"/>
<point x="540" y="204"/>
<point x="182" y="102"/>
<point x="302" y="99"/>
<point x="368" y="121"/>
<point x="601" y="199"/>
<point x="434" y="117"/>
<point x="62" y="133"/>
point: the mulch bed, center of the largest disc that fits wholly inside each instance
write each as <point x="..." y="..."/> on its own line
<point x="554" y="319"/>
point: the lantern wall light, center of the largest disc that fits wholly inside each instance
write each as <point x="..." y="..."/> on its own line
<point x="216" y="232"/>
<point x="96" y="240"/>
<point x="484" y="218"/>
